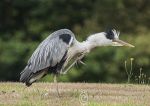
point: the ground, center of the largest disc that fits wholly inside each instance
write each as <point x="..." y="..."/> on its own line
<point x="74" y="94"/>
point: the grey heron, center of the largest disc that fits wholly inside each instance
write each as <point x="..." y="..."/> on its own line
<point x="59" y="48"/>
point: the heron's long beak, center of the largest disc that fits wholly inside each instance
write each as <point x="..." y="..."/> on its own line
<point x="118" y="42"/>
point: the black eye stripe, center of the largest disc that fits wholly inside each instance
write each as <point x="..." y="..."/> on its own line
<point x="109" y="34"/>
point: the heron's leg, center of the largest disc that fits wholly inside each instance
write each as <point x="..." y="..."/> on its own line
<point x="69" y="68"/>
<point x="56" y="83"/>
<point x="78" y="59"/>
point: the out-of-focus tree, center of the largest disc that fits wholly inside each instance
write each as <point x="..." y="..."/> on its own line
<point x="24" y="24"/>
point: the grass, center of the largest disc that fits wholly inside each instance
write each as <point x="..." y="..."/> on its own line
<point x="74" y="94"/>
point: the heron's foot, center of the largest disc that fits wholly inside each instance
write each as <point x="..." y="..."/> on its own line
<point x="63" y="73"/>
<point x="45" y="95"/>
<point x="58" y="94"/>
<point x="49" y="94"/>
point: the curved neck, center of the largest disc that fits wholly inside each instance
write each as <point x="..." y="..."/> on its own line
<point x="85" y="46"/>
<point x="93" y="41"/>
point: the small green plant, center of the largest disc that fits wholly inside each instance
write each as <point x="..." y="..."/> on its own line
<point x="148" y="80"/>
<point x="129" y="72"/>
<point x="142" y="78"/>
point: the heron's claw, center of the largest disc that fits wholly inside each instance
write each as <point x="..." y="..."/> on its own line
<point x="76" y="63"/>
<point x="82" y="62"/>
<point x="64" y="73"/>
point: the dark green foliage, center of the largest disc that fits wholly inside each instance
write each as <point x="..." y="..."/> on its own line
<point x="25" y="23"/>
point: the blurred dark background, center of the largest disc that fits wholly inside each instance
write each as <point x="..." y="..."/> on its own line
<point x="25" y="23"/>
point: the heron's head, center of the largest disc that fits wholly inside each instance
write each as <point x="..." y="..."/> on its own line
<point x="113" y="36"/>
<point x="108" y="38"/>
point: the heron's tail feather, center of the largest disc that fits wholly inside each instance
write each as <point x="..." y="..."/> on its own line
<point x="25" y="77"/>
<point x="28" y="77"/>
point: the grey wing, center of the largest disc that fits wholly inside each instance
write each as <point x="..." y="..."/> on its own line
<point x="49" y="52"/>
<point x="47" y="55"/>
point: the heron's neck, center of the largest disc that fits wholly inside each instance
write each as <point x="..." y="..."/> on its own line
<point x="86" y="46"/>
<point x="93" y="41"/>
